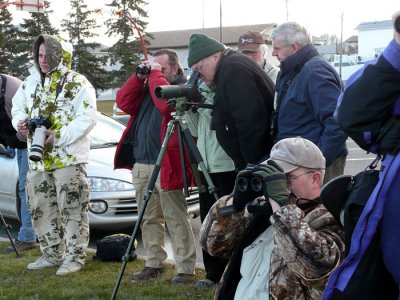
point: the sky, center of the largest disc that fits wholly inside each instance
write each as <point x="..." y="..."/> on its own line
<point x="318" y="16"/>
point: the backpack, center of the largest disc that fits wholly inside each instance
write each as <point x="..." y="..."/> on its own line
<point x="369" y="109"/>
<point x="345" y="197"/>
<point x="113" y="248"/>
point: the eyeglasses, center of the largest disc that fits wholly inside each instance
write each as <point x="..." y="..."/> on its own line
<point x="292" y="178"/>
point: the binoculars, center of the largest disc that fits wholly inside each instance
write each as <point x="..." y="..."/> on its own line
<point x="254" y="184"/>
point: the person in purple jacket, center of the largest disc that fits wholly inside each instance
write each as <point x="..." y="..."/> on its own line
<point x="378" y="84"/>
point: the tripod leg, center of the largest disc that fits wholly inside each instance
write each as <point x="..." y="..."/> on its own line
<point x="192" y="150"/>
<point x="147" y="197"/>
<point x="182" y="159"/>
<point x="7" y="229"/>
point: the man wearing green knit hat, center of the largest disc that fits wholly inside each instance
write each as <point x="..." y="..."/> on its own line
<point x="243" y="102"/>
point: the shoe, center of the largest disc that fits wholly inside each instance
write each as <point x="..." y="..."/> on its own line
<point x="69" y="267"/>
<point x="147" y="273"/>
<point x="20" y="246"/>
<point x="205" y="283"/>
<point x="182" y="278"/>
<point x="42" y="263"/>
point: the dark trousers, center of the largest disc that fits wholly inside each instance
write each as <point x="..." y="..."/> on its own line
<point x="224" y="182"/>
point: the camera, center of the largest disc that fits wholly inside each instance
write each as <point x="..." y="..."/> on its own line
<point x="397" y="24"/>
<point x="145" y="70"/>
<point x="38" y="127"/>
<point x="189" y="90"/>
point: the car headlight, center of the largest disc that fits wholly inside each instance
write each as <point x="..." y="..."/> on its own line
<point x="98" y="206"/>
<point x="100" y="184"/>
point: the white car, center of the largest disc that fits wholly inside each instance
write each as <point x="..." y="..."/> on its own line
<point x="112" y="194"/>
<point x="120" y="115"/>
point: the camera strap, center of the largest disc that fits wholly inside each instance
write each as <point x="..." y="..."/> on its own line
<point x="60" y="85"/>
<point x="59" y="88"/>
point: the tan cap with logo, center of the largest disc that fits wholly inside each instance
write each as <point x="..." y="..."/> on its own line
<point x="292" y="153"/>
<point x="250" y="41"/>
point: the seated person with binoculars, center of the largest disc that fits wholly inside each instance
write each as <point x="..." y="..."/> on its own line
<point x="281" y="241"/>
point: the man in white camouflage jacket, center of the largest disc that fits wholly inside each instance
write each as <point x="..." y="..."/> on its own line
<point x="277" y="251"/>
<point x="57" y="187"/>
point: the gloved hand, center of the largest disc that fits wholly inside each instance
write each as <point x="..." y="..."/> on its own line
<point x="243" y="193"/>
<point x="260" y="206"/>
<point x="274" y="181"/>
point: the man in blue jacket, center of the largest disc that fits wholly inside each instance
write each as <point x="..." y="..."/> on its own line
<point x="307" y="91"/>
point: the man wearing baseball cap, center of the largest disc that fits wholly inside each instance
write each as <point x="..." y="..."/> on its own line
<point x="290" y="243"/>
<point x="252" y="44"/>
<point x="243" y="101"/>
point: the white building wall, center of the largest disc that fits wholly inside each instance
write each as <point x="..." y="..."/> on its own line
<point x="371" y="42"/>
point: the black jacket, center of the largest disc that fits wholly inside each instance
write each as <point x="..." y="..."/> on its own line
<point x="244" y="98"/>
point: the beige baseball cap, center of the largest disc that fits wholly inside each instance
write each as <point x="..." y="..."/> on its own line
<point x="292" y="153"/>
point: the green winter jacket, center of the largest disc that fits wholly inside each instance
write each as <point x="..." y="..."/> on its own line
<point x="215" y="158"/>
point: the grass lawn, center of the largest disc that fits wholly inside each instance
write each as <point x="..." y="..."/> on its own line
<point x="95" y="281"/>
<point x="106" y="107"/>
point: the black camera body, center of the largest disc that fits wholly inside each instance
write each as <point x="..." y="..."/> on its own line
<point x="145" y="70"/>
<point x="38" y="121"/>
<point x="38" y="127"/>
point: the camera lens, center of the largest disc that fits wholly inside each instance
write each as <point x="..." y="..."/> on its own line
<point x="242" y="184"/>
<point x="257" y="184"/>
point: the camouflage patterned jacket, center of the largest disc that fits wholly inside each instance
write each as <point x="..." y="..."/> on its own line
<point x="63" y="96"/>
<point x="306" y="247"/>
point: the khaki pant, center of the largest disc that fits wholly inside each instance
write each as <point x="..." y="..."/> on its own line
<point x="164" y="207"/>
<point x="335" y="169"/>
<point x="58" y="202"/>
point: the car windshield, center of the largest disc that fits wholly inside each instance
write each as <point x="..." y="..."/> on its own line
<point x="106" y="133"/>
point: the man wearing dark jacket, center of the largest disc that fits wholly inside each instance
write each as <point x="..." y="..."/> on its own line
<point x="139" y="149"/>
<point x="243" y="100"/>
<point x="10" y="137"/>
<point x="307" y="91"/>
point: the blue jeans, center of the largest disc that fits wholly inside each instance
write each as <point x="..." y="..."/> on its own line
<point x="26" y="232"/>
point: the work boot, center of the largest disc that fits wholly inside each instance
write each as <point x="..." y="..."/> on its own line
<point x="205" y="283"/>
<point x="20" y="246"/>
<point x="147" y="273"/>
<point x="182" y="278"/>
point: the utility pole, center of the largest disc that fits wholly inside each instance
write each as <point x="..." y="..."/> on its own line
<point x="341" y="45"/>
<point x="203" y="14"/>
<point x="287" y="10"/>
<point x="220" y="21"/>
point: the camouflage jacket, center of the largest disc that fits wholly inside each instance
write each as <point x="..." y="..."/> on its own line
<point x="306" y="248"/>
<point x="64" y="97"/>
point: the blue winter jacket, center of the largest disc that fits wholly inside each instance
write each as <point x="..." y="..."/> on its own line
<point x="307" y="108"/>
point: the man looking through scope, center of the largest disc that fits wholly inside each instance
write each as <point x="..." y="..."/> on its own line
<point x="138" y="150"/>
<point x="243" y="101"/>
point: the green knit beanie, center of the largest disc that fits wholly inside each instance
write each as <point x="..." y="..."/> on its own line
<point x="202" y="46"/>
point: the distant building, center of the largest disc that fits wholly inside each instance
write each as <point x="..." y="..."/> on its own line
<point x="373" y="37"/>
<point x="178" y="40"/>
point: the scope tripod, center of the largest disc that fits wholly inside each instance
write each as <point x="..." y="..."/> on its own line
<point x="7" y="228"/>
<point x="184" y="139"/>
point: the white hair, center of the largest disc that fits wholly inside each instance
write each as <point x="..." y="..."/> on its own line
<point x="292" y="33"/>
